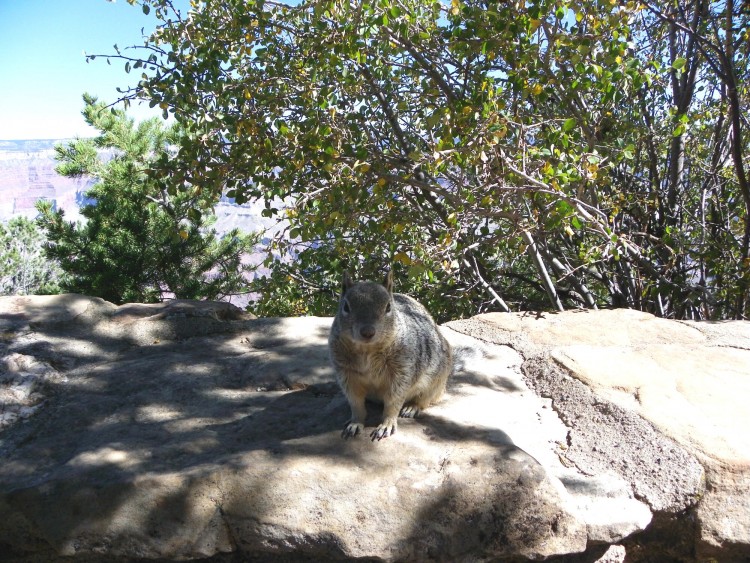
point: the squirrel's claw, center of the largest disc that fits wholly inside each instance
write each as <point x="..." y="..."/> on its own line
<point x="352" y="429"/>
<point x="409" y="411"/>
<point x="384" y="430"/>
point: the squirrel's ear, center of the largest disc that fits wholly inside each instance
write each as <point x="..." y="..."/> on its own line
<point x="388" y="281"/>
<point x="347" y="283"/>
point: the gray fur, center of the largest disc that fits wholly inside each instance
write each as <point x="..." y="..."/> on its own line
<point x="385" y="346"/>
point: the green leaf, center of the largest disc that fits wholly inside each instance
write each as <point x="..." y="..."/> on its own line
<point x="194" y="215"/>
<point x="569" y="124"/>
<point x="679" y="63"/>
<point x="433" y="119"/>
<point x="563" y="207"/>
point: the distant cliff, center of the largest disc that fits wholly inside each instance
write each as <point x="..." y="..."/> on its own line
<point x="29" y="146"/>
<point x="27" y="174"/>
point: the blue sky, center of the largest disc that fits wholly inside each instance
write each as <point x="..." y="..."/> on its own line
<point x="43" y="71"/>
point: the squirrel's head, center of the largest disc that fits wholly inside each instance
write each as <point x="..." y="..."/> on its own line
<point x="366" y="310"/>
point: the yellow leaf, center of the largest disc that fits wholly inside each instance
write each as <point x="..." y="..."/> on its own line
<point x="382" y="182"/>
<point x="536" y="89"/>
<point x="183" y="234"/>
<point x="403" y="258"/>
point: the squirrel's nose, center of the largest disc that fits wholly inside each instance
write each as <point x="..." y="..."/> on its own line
<point x="367" y="332"/>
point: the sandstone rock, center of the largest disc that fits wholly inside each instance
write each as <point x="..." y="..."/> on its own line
<point x="609" y="371"/>
<point x="22" y="378"/>
<point x="187" y="430"/>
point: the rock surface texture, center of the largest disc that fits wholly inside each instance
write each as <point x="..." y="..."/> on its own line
<point x="190" y="430"/>
<point x="661" y="403"/>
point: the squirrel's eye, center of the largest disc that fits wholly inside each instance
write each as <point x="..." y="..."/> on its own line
<point x="387" y="308"/>
<point x="346" y="307"/>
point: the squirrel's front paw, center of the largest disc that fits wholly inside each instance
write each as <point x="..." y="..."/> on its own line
<point x="385" y="429"/>
<point x="352" y="429"/>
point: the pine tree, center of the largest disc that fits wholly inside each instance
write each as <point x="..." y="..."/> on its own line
<point x="139" y="242"/>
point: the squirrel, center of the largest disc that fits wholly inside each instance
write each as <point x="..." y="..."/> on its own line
<point x="385" y="346"/>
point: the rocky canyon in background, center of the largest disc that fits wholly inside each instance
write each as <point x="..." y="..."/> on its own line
<point x="27" y="174"/>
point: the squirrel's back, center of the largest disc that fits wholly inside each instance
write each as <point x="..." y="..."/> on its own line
<point x="419" y="336"/>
